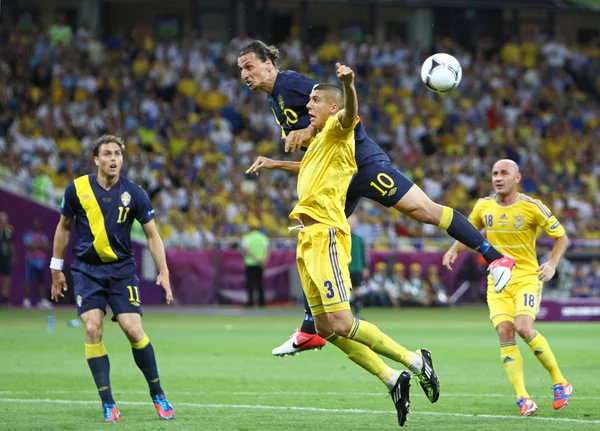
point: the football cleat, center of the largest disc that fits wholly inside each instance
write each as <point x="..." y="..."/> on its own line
<point x="501" y="269"/>
<point x="562" y="395"/>
<point x="526" y="406"/>
<point x="400" y="396"/>
<point x="427" y="378"/>
<point x="299" y="342"/>
<point x="111" y="414"/>
<point x="164" y="409"/>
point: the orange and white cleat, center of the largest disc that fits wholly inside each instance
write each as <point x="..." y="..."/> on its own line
<point x="164" y="409"/>
<point x="111" y="413"/>
<point x="562" y="395"/>
<point x="299" y="342"/>
<point x="527" y="406"/>
<point x="501" y="272"/>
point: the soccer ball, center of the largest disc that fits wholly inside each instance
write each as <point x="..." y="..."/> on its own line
<point x="441" y="73"/>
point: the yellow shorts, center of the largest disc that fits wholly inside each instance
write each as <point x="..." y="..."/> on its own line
<point x="521" y="297"/>
<point x="323" y="256"/>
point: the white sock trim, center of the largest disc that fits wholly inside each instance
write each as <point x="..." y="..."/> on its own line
<point x="417" y="363"/>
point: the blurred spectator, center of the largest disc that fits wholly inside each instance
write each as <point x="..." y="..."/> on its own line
<point x="255" y="250"/>
<point x="436" y="291"/>
<point x="593" y="278"/>
<point x="61" y="34"/>
<point x="581" y="286"/>
<point x="358" y="267"/>
<point x="178" y="237"/>
<point x="41" y="186"/>
<point x="8" y="257"/>
<point x="399" y="281"/>
<point x="376" y="293"/>
<point x="415" y="287"/>
<point x="36" y="259"/>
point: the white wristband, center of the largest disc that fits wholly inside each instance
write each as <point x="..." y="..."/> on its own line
<point x="57" y="264"/>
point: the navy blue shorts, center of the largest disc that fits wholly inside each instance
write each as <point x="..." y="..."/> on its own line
<point x="122" y="294"/>
<point x="378" y="181"/>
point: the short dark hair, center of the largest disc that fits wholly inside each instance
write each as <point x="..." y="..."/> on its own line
<point x="107" y="139"/>
<point x="334" y="90"/>
<point x="261" y="50"/>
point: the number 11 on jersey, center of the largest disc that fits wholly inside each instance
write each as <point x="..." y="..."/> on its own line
<point x="123" y="214"/>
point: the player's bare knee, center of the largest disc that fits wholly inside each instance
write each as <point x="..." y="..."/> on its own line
<point x="524" y="330"/>
<point x="323" y="333"/>
<point x="93" y="332"/>
<point x="506" y="331"/>
<point x="133" y="332"/>
<point x="340" y="323"/>
<point x="424" y="215"/>
<point x="322" y="326"/>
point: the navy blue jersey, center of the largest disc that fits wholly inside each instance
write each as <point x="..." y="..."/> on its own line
<point x="103" y="218"/>
<point x="288" y="100"/>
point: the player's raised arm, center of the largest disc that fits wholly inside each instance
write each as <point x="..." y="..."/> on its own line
<point x="157" y="250"/>
<point x="350" y="111"/>
<point x="61" y="241"/>
<point x="270" y="164"/>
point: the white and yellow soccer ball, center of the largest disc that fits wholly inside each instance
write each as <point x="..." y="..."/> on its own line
<point x="441" y="73"/>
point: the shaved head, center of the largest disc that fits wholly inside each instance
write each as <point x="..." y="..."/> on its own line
<point x="333" y="93"/>
<point x="505" y="178"/>
<point x="506" y="164"/>
<point x="324" y="101"/>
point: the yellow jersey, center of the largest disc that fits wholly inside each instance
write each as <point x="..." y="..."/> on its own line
<point x="325" y="174"/>
<point x="512" y="229"/>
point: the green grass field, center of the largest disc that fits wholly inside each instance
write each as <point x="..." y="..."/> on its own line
<point x="219" y="375"/>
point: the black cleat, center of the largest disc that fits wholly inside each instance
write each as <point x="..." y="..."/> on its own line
<point x="400" y="396"/>
<point x="427" y="378"/>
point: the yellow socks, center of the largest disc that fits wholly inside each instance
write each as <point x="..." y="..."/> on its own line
<point x="371" y="336"/>
<point x="365" y="358"/>
<point x="513" y="364"/>
<point x="541" y="349"/>
<point x="95" y="350"/>
<point x="360" y="354"/>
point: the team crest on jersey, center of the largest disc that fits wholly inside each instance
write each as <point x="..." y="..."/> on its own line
<point x="519" y="222"/>
<point x="126" y="198"/>
<point x="78" y="300"/>
<point x="280" y="102"/>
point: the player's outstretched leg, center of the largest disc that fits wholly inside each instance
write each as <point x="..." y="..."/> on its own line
<point x="419" y="363"/>
<point x="305" y="338"/>
<point x="417" y="205"/>
<point x="97" y="359"/>
<point x="398" y="383"/>
<point x="144" y="356"/>
<point x="542" y="351"/>
<point x="512" y="361"/>
<point x="145" y="359"/>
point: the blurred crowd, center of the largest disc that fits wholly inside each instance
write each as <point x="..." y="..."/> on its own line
<point x="192" y="128"/>
<point x="392" y="287"/>
<point x="586" y="280"/>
